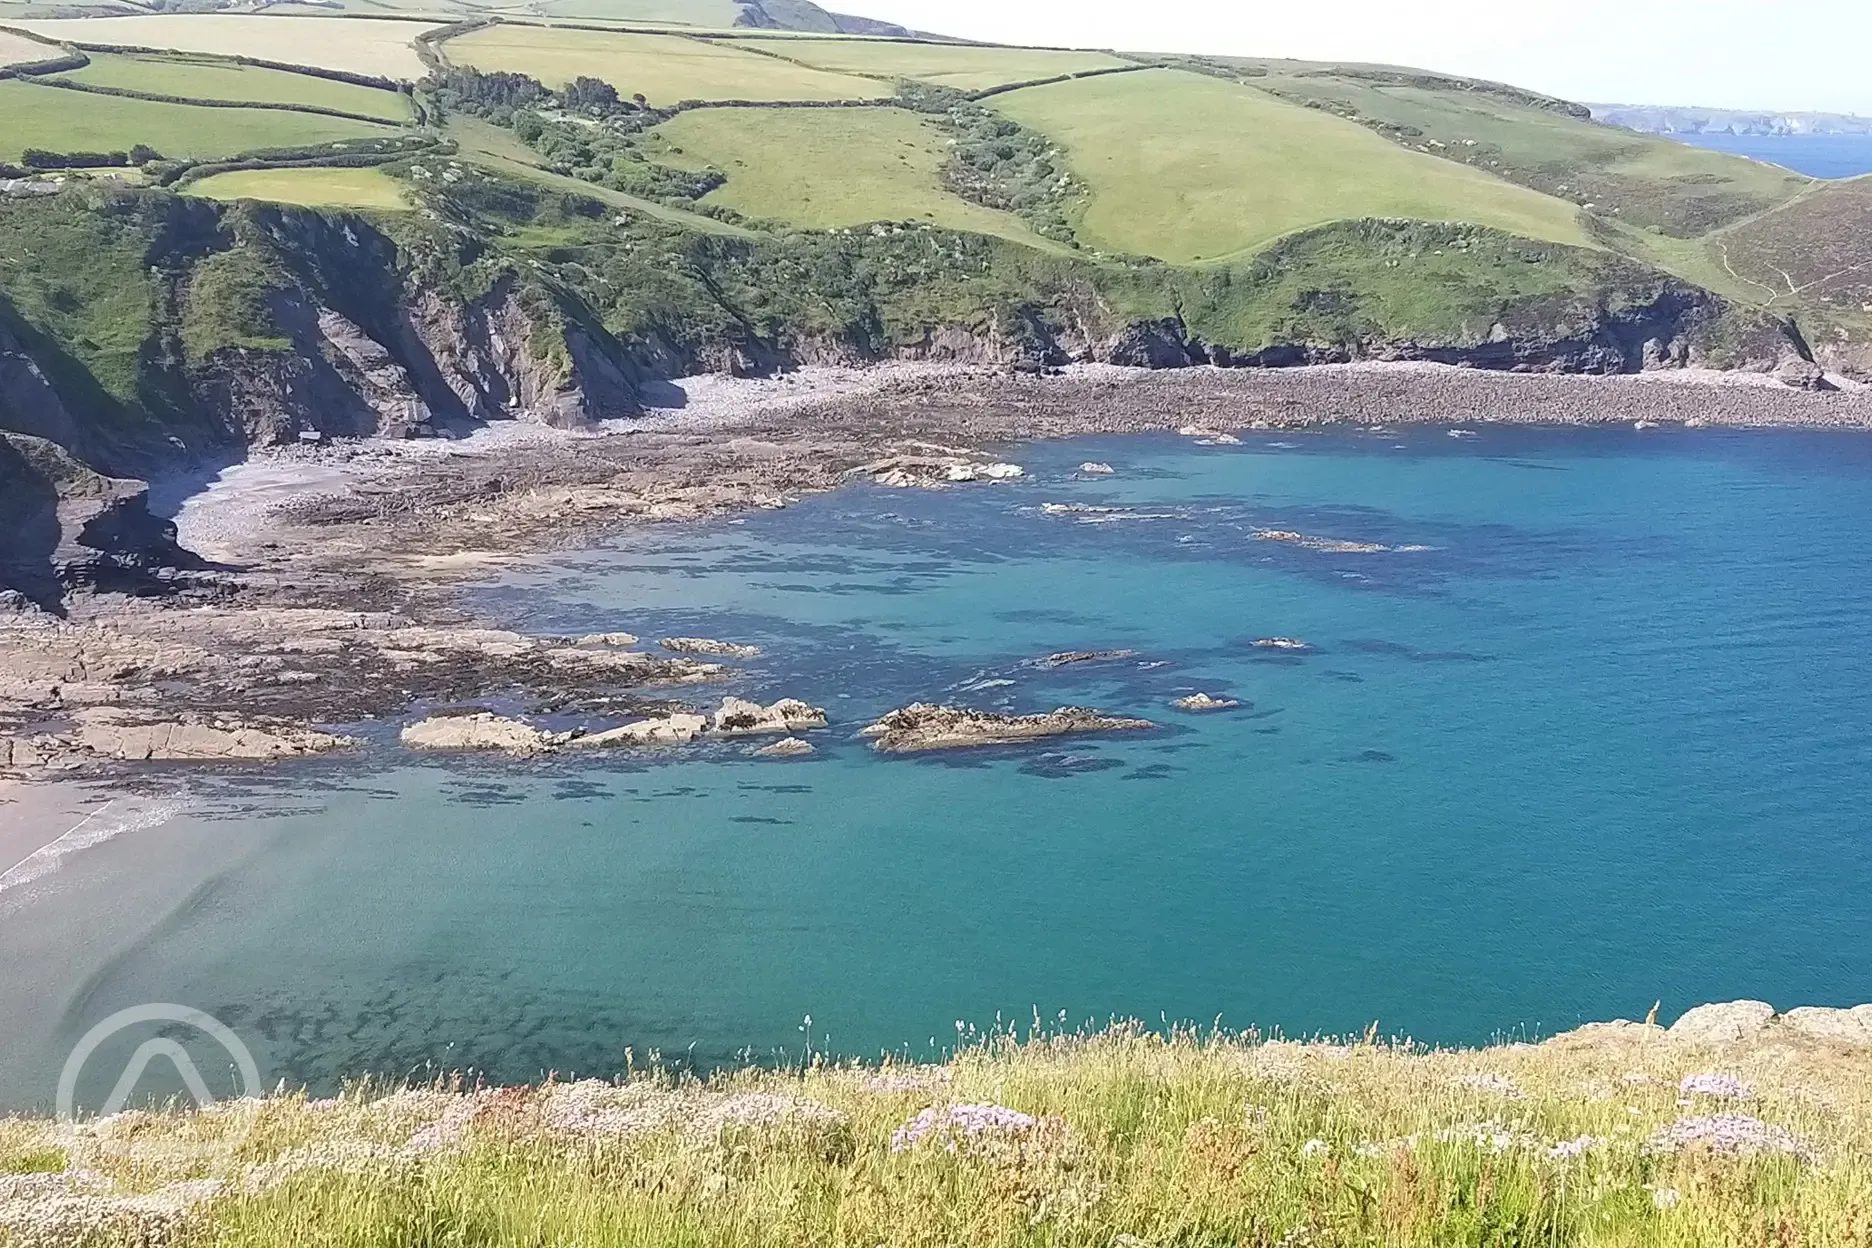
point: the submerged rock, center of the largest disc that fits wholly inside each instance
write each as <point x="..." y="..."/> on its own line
<point x="1204" y="702"/>
<point x="791" y="747"/>
<point x="677" y="729"/>
<point x="923" y="726"/>
<point x="934" y="471"/>
<point x="741" y="718"/>
<point x="709" y="646"/>
<point x="1096" y="470"/>
<point x="1327" y="545"/>
<point x="481" y="731"/>
<point x="1284" y="643"/>
<point x="1067" y="658"/>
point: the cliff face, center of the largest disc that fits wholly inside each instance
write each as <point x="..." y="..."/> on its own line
<point x="142" y="330"/>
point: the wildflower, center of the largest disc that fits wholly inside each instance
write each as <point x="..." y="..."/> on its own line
<point x="1492" y="1083"/>
<point x="1492" y="1136"/>
<point x="1665" y="1197"/>
<point x="1567" y="1150"/>
<point x="1315" y="1148"/>
<point x="1720" y="1087"/>
<point x="962" y="1125"/>
<point x="1734" y="1134"/>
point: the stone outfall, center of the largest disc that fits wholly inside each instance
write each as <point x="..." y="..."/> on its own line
<point x="922" y="727"/>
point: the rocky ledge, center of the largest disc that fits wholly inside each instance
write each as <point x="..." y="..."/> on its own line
<point x="921" y="727"/>
<point x="1205" y="702"/>
<point x="485" y="731"/>
<point x="1739" y="1022"/>
<point x="116" y="735"/>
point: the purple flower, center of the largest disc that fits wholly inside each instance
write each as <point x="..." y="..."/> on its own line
<point x="1721" y="1087"/>
<point x="962" y="1124"/>
<point x="1735" y="1134"/>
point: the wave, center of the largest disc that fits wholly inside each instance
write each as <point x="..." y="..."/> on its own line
<point x="109" y="821"/>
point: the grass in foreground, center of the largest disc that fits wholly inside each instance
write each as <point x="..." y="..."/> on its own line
<point x="360" y="47"/>
<point x="665" y="69"/>
<point x="73" y="121"/>
<point x="220" y="80"/>
<point x="951" y="65"/>
<point x="1611" y="1136"/>
<point x="1189" y="168"/>
<point x="309" y="188"/>
<point x="824" y="168"/>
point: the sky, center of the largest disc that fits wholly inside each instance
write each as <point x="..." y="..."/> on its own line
<point x="1787" y="55"/>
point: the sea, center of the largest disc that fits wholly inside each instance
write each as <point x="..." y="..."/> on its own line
<point x="1582" y="732"/>
<point x="1816" y="155"/>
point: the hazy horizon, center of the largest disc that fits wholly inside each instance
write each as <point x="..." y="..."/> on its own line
<point x="1683" y="53"/>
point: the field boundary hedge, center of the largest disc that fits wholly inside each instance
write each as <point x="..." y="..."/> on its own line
<point x="130" y="93"/>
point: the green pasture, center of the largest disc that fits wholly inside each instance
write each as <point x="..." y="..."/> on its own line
<point x="309" y="188"/>
<point x="202" y="79"/>
<point x="664" y="69"/>
<point x="77" y="121"/>
<point x="953" y="65"/>
<point x="1190" y="168"/>
<point x="823" y="168"/>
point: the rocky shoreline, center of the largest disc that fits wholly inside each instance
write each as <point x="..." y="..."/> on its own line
<point x="331" y="599"/>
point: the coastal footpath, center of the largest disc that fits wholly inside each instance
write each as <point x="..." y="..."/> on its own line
<point x="1734" y="1125"/>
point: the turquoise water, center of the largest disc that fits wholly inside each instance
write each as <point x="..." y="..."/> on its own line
<point x="1599" y="741"/>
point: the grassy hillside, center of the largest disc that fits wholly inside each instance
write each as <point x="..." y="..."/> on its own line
<point x="207" y="79"/>
<point x="965" y="68"/>
<point x="1647" y="182"/>
<point x="1190" y="168"/>
<point x="1612" y="1137"/>
<point x="72" y="121"/>
<point x="310" y="188"/>
<point x="379" y="48"/>
<point x="664" y="68"/>
<point x="823" y="168"/>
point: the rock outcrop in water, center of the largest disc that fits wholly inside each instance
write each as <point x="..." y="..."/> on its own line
<point x="1205" y="702"/>
<point x="109" y="733"/>
<point x="741" y="718"/>
<point x="791" y="747"/>
<point x="479" y="731"/>
<point x="677" y="729"/>
<point x="709" y="647"/>
<point x="922" y="727"/>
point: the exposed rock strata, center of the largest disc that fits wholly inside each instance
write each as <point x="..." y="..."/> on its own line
<point x="923" y="727"/>
<point x="741" y="718"/>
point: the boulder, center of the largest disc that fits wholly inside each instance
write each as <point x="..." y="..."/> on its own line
<point x="741" y="718"/>
<point x="1852" y="1026"/>
<point x="1803" y="375"/>
<point x="791" y="747"/>
<point x="677" y="729"/>
<point x="1205" y="702"/>
<point x="608" y="639"/>
<point x="1096" y="470"/>
<point x="1727" y="1023"/>
<point x="480" y="731"/>
<point x="921" y="727"/>
<point x="709" y="646"/>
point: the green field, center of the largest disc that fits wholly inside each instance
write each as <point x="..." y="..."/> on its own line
<point x="309" y="188"/>
<point x="75" y="121"/>
<point x="192" y="78"/>
<point x="953" y="65"/>
<point x="822" y="168"/>
<point x="710" y="13"/>
<point x="1647" y="182"/>
<point x="665" y="69"/>
<point x="379" y="48"/>
<point x="1189" y="168"/>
